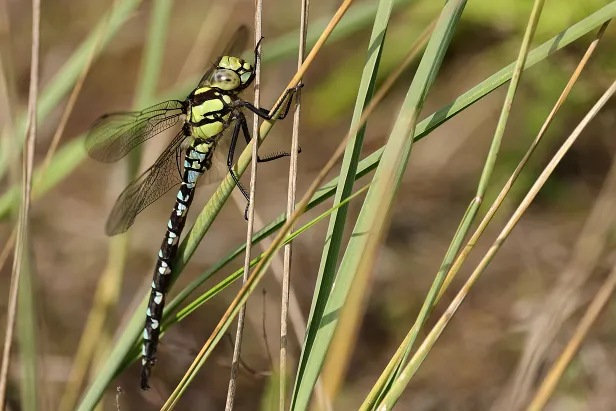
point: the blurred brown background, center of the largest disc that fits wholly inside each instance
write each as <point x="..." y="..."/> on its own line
<point x="473" y="362"/>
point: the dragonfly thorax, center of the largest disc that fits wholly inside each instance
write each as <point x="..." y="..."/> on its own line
<point x="210" y="111"/>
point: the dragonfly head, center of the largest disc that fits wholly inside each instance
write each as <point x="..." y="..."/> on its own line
<point x="232" y="74"/>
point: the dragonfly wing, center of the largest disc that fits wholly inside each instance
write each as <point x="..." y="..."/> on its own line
<point x="164" y="174"/>
<point x="235" y="47"/>
<point x="113" y="135"/>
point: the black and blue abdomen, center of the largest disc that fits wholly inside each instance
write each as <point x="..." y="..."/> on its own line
<point x="197" y="160"/>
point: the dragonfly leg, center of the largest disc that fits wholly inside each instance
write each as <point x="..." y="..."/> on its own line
<point x="242" y="124"/>
<point x="264" y="113"/>
<point x="276" y="155"/>
<point x="248" y="138"/>
<point x="239" y="125"/>
<point x="234" y="137"/>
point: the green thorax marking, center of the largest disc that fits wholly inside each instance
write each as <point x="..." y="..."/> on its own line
<point x="208" y="118"/>
<point x="203" y="147"/>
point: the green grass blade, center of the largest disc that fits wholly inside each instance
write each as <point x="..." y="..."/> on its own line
<point x="359" y="255"/>
<point x="61" y="166"/>
<point x="471" y="213"/>
<point x="473" y="208"/>
<point x="335" y="229"/>
<point x="561" y="40"/>
<point x="65" y="79"/>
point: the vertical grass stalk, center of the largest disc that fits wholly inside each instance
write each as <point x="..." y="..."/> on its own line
<point x="21" y="276"/>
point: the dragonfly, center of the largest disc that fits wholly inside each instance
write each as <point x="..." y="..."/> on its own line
<point x="210" y="110"/>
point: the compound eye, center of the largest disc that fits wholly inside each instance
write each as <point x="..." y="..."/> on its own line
<point x="221" y="77"/>
<point x="225" y="79"/>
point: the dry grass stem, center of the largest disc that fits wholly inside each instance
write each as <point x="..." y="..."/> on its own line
<point x="22" y="229"/>
<point x="237" y="349"/>
<point x="592" y="241"/>
<point x="557" y="307"/>
<point x="292" y="187"/>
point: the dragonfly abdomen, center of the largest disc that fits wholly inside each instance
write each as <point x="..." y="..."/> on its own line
<point x="197" y="160"/>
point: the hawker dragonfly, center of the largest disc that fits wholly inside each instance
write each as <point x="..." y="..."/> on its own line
<point x="208" y="111"/>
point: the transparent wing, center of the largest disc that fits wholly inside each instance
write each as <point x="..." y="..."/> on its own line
<point x="164" y="174"/>
<point x="113" y="135"/>
<point x="235" y="46"/>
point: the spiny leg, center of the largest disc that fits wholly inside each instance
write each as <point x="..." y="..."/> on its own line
<point x="241" y="124"/>
<point x="234" y="137"/>
<point x="270" y="157"/>
<point x="248" y="138"/>
<point x="264" y="113"/>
